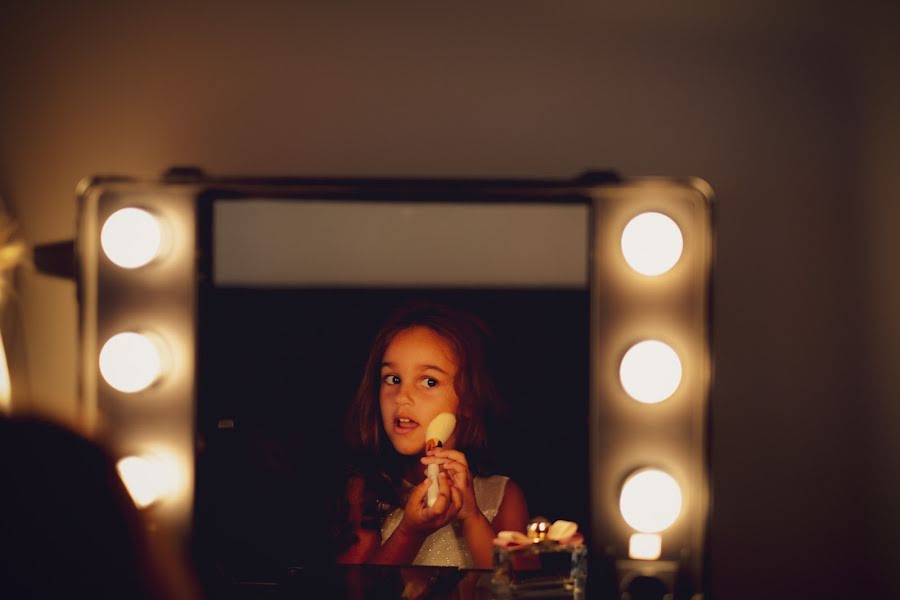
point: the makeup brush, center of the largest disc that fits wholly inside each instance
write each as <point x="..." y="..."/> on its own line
<point x="439" y="431"/>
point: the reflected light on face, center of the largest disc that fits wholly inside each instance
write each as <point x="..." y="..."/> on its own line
<point x="645" y="546"/>
<point x="650" y="500"/>
<point x="131" y="237"/>
<point x="149" y="477"/>
<point x="131" y="362"/>
<point x="652" y="243"/>
<point x="650" y="371"/>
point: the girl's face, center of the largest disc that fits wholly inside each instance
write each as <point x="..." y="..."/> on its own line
<point x="417" y="376"/>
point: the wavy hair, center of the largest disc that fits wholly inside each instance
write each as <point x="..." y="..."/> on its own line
<point x="479" y="402"/>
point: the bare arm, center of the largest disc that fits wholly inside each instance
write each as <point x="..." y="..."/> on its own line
<point x="479" y="533"/>
<point x="512" y="515"/>
<point x="418" y="522"/>
<point x="399" y="549"/>
<point x="479" y="536"/>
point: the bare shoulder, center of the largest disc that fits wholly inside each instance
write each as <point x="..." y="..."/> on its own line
<point x="513" y="495"/>
<point x="513" y="511"/>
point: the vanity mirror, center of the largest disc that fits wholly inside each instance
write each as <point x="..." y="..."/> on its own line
<point x="225" y="324"/>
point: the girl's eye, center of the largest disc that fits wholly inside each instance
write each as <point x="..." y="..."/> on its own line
<point x="391" y="380"/>
<point x="430" y="382"/>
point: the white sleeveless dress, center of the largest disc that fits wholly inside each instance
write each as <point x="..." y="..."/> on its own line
<point x="446" y="547"/>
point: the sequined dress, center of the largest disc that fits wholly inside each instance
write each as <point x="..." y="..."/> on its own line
<point x="446" y="547"/>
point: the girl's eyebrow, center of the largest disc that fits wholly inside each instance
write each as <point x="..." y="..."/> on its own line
<point x="425" y="367"/>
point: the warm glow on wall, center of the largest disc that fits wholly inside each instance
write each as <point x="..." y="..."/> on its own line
<point x="132" y="237"/>
<point x="5" y="386"/>
<point x="131" y="362"/>
<point x="652" y="243"/>
<point x="650" y="500"/>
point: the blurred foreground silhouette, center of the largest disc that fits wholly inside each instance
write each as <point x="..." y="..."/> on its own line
<point x="68" y="527"/>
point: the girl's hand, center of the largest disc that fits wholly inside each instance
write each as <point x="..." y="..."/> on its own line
<point x="455" y="464"/>
<point x="419" y="520"/>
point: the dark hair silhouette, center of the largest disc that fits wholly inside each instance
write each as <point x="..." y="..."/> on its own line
<point x="67" y="525"/>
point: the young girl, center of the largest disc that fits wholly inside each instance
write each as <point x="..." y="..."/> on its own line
<point x="426" y="360"/>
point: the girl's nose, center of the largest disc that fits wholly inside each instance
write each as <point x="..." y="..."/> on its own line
<point x="405" y="394"/>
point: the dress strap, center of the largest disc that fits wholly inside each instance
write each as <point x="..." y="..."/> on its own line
<point x="489" y="494"/>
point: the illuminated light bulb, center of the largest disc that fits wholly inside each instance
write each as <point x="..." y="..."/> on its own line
<point x="650" y="500"/>
<point x="645" y="546"/>
<point x="650" y="371"/>
<point x="652" y="243"/>
<point x="131" y="237"/>
<point x="148" y="478"/>
<point x="131" y="362"/>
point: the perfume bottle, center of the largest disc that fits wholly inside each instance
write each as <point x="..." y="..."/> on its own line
<point x="539" y="565"/>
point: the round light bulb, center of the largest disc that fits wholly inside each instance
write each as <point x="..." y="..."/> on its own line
<point x="652" y="243"/>
<point x="650" y="371"/>
<point x="131" y="362"/>
<point x="148" y="478"/>
<point x="131" y="237"/>
<point x="650" y="500"/>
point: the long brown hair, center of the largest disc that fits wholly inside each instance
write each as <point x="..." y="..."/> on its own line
<point x="479" y="402"/>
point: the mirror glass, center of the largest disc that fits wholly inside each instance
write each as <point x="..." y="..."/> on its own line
<point x="292" y="293"/>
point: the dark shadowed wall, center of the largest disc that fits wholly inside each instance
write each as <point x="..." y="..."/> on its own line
<point x="790" y="114"/>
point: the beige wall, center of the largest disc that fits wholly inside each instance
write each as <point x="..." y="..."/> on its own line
<point x="880" y="188"/>
<point x="770" y="104"/>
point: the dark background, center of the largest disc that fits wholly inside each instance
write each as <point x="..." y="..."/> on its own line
<point x="284" y="377"/>
<point x="788" y="109"/>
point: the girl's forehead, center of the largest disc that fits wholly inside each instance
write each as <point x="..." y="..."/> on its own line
<point x="420" y="341"/>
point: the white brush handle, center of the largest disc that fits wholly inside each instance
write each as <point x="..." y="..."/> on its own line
<point x="432" y="494"/>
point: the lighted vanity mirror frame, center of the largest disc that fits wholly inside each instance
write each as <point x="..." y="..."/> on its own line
<point x="674" y="307"/>
<point x="171" y="296"/>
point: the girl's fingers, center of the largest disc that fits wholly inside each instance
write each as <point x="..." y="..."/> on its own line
<point x="459" y="472"/>
<point x="456" y="499"/>
<point x="446" y="463"/>
<point x="454" y="504"/>
<point x="439" y="460"/>
<point x="417" y="494"/>
<point x="451" y="454"/>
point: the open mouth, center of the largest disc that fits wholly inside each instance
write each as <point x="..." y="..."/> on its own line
<point x="404" y="424"/>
